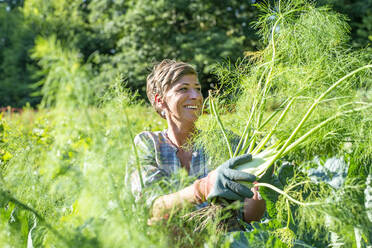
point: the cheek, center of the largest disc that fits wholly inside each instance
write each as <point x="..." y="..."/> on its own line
<point x="174" y="103"/>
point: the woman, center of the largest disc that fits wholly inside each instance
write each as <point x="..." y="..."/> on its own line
<point x="175" y="92"/>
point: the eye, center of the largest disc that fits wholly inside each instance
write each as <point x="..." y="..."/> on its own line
<point x="182" y="89"/>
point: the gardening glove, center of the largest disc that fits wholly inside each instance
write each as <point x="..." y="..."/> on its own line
<point x="221" y="182"/>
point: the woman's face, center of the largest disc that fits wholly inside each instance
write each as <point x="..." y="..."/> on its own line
<point x="183" y="100"/>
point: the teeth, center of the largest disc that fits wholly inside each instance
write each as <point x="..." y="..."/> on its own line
<point x="191" y="107"/>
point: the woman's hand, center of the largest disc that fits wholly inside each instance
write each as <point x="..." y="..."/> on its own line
<point x="254" y="208"/>
<point x="218" y="183"/>
<point x="222" y="182"/>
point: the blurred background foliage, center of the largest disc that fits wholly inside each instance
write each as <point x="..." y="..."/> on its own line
<point x="127" y="37"/>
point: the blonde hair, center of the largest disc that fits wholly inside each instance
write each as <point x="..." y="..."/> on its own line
<point x="162" y="76"/>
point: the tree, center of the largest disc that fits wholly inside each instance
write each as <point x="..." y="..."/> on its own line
<point x="199" y="32"/>
<point x="17" y="70"/>
<point x="128" y="36"/>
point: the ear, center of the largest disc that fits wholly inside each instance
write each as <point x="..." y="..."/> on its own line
<point x="157" y="98"/>
<point x="159" y="101"/>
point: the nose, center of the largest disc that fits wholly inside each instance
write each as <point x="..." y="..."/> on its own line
<point x="195" y="94"/>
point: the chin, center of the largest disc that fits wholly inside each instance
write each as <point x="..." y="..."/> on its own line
<point x="254" y="209"/>
<point x="190" y="119"/>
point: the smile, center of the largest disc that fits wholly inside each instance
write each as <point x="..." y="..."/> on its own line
<point x="191" y="107"/>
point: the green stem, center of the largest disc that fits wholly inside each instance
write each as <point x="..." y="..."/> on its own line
<point x="317" y="127"/>
<point x="204" y="103"/>
<point x="256" y="106"/>
<point x="266" y="85"/>
<point x="245" y="135"/>
<point x="138" y="165"/>
<point x="221" y="126"/>
<point x="253" y="142"/>
<point x="268" y="136"/>
<point x="270" y="160"/>
<point x="289" y="212"/>
<point x="311" y="109"/>
<point x="248" y="142"/>
<point x="304" y="204"/>
<point x="276" y="111"/>
<point x="295" y="185"/>
<point x="41" y="219"/>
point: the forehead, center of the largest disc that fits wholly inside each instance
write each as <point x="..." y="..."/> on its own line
<point x="189" y="79"/>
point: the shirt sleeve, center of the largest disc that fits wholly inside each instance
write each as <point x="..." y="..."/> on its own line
<point x="150" y="171"/>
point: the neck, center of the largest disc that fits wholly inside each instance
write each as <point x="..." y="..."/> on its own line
<point x="179" y="133"/>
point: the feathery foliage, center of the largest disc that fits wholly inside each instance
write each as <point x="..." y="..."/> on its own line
<point x="300" y="97"/>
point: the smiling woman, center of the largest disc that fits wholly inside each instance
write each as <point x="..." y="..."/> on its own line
<point x="182" y="102"/>
<point x="174" y="91"/>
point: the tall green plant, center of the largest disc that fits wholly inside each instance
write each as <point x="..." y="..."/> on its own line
<point x="298" y="95"/>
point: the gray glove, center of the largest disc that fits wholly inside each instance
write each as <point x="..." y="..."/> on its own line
<point x="225" y="185"/>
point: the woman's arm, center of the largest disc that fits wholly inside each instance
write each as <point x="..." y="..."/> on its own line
<point x="254" y="207"/>
<point x="165" y="204"/>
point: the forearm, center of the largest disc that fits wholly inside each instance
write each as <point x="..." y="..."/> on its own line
<point x="165" y="204"/>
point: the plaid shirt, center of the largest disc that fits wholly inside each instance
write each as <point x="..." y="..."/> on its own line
<point x="158" y="159"/>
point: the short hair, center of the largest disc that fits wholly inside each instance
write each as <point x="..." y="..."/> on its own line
<point x="164" y="74"/>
